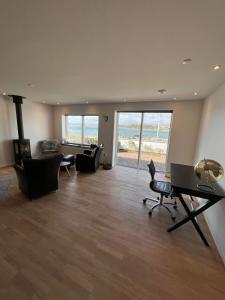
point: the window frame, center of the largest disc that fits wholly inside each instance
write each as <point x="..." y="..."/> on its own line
<point x="82" y="130"/>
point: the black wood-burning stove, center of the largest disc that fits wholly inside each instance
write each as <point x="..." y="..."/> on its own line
<point x="21" y="146"/>
<point x="21" y="150"/>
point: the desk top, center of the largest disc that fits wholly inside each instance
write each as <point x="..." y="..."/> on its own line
<point x="185" y="181"/>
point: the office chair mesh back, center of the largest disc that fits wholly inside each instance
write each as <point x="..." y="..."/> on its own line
<point x="151" y="167"/>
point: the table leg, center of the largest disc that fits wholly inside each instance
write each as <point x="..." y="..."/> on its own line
<point x="67" y="171"/>
<point x="190" y="217"/>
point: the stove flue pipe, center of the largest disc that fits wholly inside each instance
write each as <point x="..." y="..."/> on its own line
<point x="18" y="101"/>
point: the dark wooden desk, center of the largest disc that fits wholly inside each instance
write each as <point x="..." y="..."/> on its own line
<point x="185" y="181"/>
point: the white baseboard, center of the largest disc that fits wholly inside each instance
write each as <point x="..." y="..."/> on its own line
<point x="212" y="232"/>
<point x="215" y="241"/>
<point x="6" y="166"/>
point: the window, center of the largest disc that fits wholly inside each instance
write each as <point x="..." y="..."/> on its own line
<point x="81" y="129"/>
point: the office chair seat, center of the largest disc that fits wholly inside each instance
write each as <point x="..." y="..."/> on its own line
<point x="161" y="187"/>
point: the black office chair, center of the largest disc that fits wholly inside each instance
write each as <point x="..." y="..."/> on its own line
<point x="163" y="188"/>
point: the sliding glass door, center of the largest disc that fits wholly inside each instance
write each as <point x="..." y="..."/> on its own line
<point x="155" y="139"/>
<point x="143" y="136"/>
<point x="128" y="142"/>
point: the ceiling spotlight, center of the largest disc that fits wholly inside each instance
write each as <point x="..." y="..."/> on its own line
<point x="4" y="93"/>
<point x="186" y="61"/>
<point x="216" y="67"/>
<point x="162" y="91"/>
<point x="195" y="93"/>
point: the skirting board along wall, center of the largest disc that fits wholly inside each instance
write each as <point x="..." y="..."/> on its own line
<point x="6" y="166"/>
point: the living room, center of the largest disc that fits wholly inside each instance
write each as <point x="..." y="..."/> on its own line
<point x="96" y="235"/>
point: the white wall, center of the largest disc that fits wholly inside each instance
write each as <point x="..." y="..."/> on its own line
<point x="212" y="145"/>
<point x="6" y="125"/>
<point x="185" y="125"/>
<point x="37" y="122"/>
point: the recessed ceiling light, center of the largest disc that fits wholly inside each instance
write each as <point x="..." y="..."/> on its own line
<point x="30" y="85"/>
<point x="186" y="61"/>
<point x="4" y="93"/>
<point x="195" y="93"/>
<point x="162" y="91"/>
<point x="216" y="67"/>
<point x="174" y="98"/>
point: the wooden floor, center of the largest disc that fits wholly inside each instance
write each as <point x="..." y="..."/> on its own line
<point x="93" y="239"/>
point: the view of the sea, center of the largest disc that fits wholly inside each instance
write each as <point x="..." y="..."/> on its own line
<point x="124" y="132"/>
<point x="135" y="132"/>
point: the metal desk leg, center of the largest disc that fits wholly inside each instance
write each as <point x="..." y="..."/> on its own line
<point x="190" y="217"/>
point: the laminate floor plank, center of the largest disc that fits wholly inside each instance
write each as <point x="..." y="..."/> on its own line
<point x="93" y="240"/>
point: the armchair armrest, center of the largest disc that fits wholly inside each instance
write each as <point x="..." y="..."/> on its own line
<point x="19" y="169"/>
<point x="22" y="178"/>
<point x="88" y="152"/>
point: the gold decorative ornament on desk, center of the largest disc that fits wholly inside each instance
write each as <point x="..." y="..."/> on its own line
<point x="209" y="171"/>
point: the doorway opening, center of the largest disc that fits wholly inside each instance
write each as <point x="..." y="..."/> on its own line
<point x="142" y="136"/>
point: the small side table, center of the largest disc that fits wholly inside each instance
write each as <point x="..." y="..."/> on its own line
<point x="69" y="158"/>
<point x="65" y="164"/>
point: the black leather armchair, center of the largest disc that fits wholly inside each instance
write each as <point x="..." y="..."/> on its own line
<point x="89" y="163"/>
<point x="38" y="177"/>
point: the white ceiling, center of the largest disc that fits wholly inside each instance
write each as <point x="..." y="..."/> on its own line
<point x="75" y="51"/>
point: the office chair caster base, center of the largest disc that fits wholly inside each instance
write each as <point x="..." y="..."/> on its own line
<point x="161" y="204"/>
<point x="172" y="203"/>
<point x="171" y="214"/>
<point x="150" y="199"/>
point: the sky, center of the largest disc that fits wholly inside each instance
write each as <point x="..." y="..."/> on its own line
<point x="128" y="119"/>
<point x="90" y="120"/>
<point x="149" y="118"/>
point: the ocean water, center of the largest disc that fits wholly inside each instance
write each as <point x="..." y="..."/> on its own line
<point x="123" y="132"/>
<point x="88" y="131"/>
<point x="134" y="132"/>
